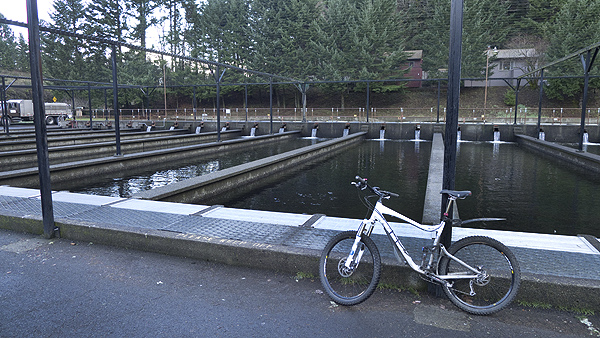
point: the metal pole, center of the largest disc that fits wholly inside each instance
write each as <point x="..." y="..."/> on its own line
<point x="539" y="121"/>
<point x="450" y="139"/>
<point x="73" y="105"/>
<point x="246" y="102"/>
<point x="587" y="63"/>
<point x="368" y="99"/>
<point x="195" y="104"/>
<point x="116" y="100"/>
<point x="5" y="118"/>
<point x="304" y="87"/>
<point x="271" y="104"/>
<point x="37" y="88"/>
<point x="218" y="78"/>
<point x="90" y="103"/>
<point x="438" y="100"/>
<point x="517" y="99"/>
<point x="165" y="87"/>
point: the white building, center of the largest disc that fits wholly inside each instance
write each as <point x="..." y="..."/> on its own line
<point x="507" y="63"/>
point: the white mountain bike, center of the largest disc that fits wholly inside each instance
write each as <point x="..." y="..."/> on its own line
<point x="479" y="274"/>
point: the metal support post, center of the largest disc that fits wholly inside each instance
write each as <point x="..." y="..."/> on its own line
<point x="368" y="107"/>
<point x="41" y="137"/>
<point x="517" y="99"/>
<point x="539" y="121"/>
<point x="5" y="118"/>
<point x="304" y="87"/>
<point x="246" y="102"/>
<point x="450" y="139"/>
<point x="90" y="103"/>
<point x="271" y="104"/>
<point x="195" y="105"/>
<point x="439" y="89"/>
<point x="587" y="63"/>
<point x="218" y="78"/>
<point x="116" y="100"/>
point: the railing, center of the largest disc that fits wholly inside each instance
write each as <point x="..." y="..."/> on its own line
<point x="525" y="115"/>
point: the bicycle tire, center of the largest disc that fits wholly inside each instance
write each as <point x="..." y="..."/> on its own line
<point x="493" y="293"/>
<point x="349" y="287"/>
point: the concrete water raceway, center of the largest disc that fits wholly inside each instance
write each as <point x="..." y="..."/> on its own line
<point x="562" y="271"/>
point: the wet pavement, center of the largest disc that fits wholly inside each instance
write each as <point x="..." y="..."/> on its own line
<point x="65" y="288"/>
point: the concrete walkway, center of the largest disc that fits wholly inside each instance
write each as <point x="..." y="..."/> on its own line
<point x="559" y="270"/>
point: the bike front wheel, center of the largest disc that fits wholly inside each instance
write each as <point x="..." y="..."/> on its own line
<point x="349" y="286"/>
<point x="498" y="280"/>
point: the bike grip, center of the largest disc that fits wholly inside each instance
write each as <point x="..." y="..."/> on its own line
<point x="361" y="180"/>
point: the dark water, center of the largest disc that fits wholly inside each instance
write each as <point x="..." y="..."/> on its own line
<point x="535" y="194"/>
<point x="532" y="192"/>
<point x="148" y="178"/>
<point x="325" y="187"/>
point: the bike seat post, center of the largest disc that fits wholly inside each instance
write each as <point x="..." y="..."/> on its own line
<point x="451" y="199"/>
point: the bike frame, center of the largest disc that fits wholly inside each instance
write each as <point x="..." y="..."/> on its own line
<point x="367" y="226"/>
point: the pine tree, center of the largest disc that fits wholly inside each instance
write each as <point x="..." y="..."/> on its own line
<point x="8" y="47"/>
<point x="485" y="23"/>
<point x="63" y="55"/>
<point x="576" y="26"/>
<point x="360" y="39"/>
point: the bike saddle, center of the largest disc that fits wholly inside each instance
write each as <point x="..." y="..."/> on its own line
<point x="455" y="193"/>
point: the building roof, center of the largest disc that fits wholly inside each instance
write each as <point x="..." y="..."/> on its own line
<point x="518" y="53"/>
<point x="414" y="54"/>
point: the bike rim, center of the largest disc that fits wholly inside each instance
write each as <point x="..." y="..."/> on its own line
<point x="490" y="291"/>
<point x="348" y="285"/>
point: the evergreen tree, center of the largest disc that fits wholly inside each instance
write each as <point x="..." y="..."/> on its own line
<point x="23" y="55"/>
<point x="141" y="12"/>
<point x="485" y="23"/>
<point x="8" y="47"/>
<point x="283" y="32"/>
<point x="360" y="39"/>
<point x="63" y="55"/>
<point x="576" y="26"/>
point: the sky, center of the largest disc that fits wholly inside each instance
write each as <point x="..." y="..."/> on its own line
<point x="17" y="11"/>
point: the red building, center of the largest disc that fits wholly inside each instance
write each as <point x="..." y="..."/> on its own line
<point x="414" y="66"/>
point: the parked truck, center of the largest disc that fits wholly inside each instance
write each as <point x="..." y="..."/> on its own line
<point x="22" y="110"/>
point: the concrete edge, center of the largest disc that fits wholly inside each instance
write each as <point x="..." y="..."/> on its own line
<point x="559" y="292"/>
<point x="582" y="160"/>
<point x="118" y="163"/>
<point x="250" y="171"/>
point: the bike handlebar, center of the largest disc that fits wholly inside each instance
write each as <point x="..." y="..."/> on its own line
<point x="362" y="184"/>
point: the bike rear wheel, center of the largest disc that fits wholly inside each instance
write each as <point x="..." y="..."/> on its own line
<point x="495" y="287"/>
<point x="349" y="286"/>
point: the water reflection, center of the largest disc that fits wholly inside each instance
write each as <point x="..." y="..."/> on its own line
<point x="167" y="173"/>
<point x="325" y="187"/>
<point x="533" y="193"/>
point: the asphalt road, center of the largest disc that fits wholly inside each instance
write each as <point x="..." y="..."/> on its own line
<point x="59" y="288"/>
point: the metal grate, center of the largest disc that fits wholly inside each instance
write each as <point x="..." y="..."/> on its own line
<point x="128" y="217"/>
<point x="230" y="229"/>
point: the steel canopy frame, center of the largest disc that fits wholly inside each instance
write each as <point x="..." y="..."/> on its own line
<point x="587" y="56"/>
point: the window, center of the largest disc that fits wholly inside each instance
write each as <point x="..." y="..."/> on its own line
<point x="506" y="65"/>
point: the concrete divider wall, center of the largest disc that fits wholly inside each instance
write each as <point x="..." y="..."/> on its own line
<point x="19" y="159"/>
<point x="245" y="177"/>
<point x="67" y="175"/>
<point x="405" y="130"/>
<point x="58" y="140"/>
<point x="584" y="162"/>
